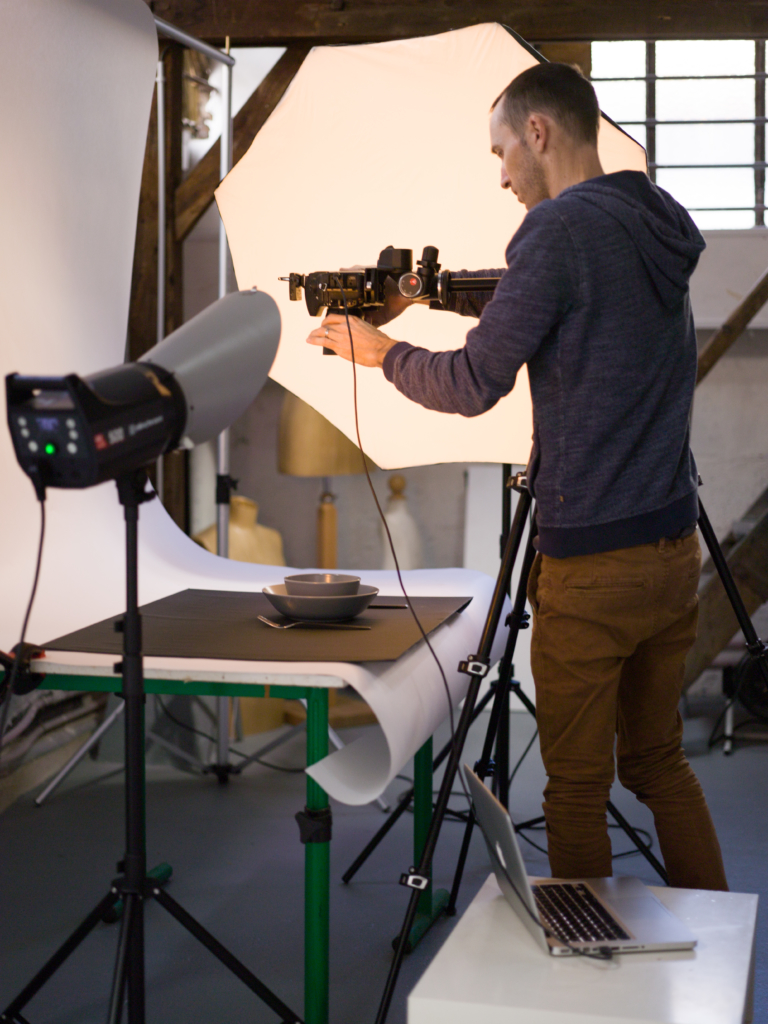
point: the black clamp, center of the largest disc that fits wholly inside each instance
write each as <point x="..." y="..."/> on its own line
<point x="225" y="484"/>
<point x="315" y="826"/>
<point x="524" y="623"/>
<point x="490" y="768"/>
<point x="518" y="482"/>
<point x="413" y="880"/>
<point x="758" y="649"/>
<point x="24" y="680"/>
<point x="475" y="666"/>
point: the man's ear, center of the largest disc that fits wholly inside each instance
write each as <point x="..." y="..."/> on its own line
<point x="537" y="132"/>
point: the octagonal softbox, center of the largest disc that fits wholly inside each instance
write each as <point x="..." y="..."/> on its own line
<point x="387" y="144"/>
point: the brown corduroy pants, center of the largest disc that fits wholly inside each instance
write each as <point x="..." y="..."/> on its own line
<point x="610" y="635"/>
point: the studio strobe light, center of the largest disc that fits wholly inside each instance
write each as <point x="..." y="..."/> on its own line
<point x="79" y="431"/>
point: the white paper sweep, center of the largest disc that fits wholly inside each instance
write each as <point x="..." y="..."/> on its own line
<point x="387" y="144"/>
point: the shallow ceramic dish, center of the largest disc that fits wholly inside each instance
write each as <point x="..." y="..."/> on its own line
<point x="315" y="584"/>
<point x="322" y="607"/>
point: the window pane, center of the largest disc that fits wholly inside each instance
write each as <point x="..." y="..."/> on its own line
<point x="723" y="220"/>
<point x="709" y="187"/>
<point x="705" y="57"/>
<point x="637" y="131"/>
<point x="618" y="60"/>
<point x="705" y="143"/>
<point x="622" y="101"/>
<point x="694" y="101"/>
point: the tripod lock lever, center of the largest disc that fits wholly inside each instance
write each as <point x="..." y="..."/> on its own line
<point x="413" y="880"/>
<point x="474" y="666"/>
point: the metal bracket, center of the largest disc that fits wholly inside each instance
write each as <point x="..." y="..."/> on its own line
<point x="225" y="484"/>
<point x="315" y="826"/>
<point x="525" y="620"/>
<point x="518" y="482"/>
<point x="413" y="880"/>
<point x="758" y="649"/>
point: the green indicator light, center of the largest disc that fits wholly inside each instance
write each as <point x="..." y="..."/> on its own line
<point x="50" y="449"/>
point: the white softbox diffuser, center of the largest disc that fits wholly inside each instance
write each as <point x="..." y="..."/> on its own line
<point x="387" y="144"/>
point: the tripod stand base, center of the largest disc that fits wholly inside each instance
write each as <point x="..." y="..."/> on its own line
<point x="424" y="920"/>
<point x="160" y="874"/>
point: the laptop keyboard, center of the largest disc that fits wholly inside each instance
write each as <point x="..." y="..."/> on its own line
<point x="573" y="913"/>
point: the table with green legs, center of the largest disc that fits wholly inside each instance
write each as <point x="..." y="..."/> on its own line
<point x="167" y="676"/>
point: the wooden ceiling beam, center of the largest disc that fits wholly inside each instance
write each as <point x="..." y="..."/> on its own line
<point x="281" y="22"/>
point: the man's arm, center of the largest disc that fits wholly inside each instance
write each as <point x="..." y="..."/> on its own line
<point x="534" y="294"/>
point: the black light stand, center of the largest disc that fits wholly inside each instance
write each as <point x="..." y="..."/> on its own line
<point x="476" y="666"/>
<point x="134" y="885"/>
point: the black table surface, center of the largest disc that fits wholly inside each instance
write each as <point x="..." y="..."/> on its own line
<point x="224" y="624"/>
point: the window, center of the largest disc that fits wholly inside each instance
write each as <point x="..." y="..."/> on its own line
<point x="698" y="107"/>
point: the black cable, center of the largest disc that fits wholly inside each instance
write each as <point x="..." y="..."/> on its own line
<point x="523" y="756"/>
<point x="20" y="648"/>
<point x="391" y="543"/>
<point x="232" y="750"/>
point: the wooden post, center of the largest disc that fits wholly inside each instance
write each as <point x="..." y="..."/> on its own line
<point x="195" y="193"/>
<point x="142" y="316"/>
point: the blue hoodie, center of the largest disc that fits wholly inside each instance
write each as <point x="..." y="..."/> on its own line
<point x="595" y="300"/>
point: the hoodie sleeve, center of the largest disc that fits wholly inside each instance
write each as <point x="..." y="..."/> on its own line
<point x="535" y="292"/>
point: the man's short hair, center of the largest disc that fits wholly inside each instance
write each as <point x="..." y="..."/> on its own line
<point x="558" y="90"/>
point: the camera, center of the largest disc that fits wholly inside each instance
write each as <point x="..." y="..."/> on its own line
<point x="360" y="289"/>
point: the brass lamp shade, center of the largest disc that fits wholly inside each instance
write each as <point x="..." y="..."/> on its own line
<point x="309" y="445"/>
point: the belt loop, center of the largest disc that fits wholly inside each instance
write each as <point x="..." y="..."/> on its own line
<point x="662" y="543"/>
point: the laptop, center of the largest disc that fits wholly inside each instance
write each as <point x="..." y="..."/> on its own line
<point x="591" y="915"/>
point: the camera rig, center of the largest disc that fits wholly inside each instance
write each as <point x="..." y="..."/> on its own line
<point x="366" y="288"/>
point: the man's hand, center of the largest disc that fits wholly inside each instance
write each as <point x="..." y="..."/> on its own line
<point x="370" y="345"/>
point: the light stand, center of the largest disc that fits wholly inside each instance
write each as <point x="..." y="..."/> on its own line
<point x="133" y="886"/>
<point x="477" y="667"/>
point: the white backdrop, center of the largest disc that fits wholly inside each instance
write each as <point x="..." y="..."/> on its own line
<point x="387" y="144"/>
<point x="77" y="78"/>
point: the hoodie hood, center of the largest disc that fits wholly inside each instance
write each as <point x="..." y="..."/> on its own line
<point x="665" y="235"/>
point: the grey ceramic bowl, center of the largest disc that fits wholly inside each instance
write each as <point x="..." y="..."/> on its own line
<point x="321" y="606"/>
<point x="325" y="584"/>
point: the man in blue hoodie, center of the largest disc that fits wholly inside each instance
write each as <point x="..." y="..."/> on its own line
<point x="595" y="301"/>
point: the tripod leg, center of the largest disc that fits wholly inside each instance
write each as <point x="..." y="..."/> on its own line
<point x="756" y="647"/>
<point x="419" y="874"/>
<point x="118" y="979"/>
<point x="68" y="947"/>
<point x="500" y="707"/>
<point x="222" y="953"/>
<point x="476" y="666"/>
<point x="404" y="803"/>
<point x="136" y="993"/>
<point x="622" y="822"/>
<point x="77" y="757"/>
<point x="501" y="771"/>
<point x="431" y="903"/>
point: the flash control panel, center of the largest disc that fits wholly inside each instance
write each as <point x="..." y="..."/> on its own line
<point x="49" y="433"/>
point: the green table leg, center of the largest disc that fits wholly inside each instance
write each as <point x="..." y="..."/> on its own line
<point x="317" y="873"/>
<point x="431" y="903"/>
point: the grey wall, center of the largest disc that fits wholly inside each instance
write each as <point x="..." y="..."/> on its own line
<point x="435" y="497"/>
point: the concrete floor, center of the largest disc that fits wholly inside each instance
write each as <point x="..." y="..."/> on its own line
<point x="238" y="867"/>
